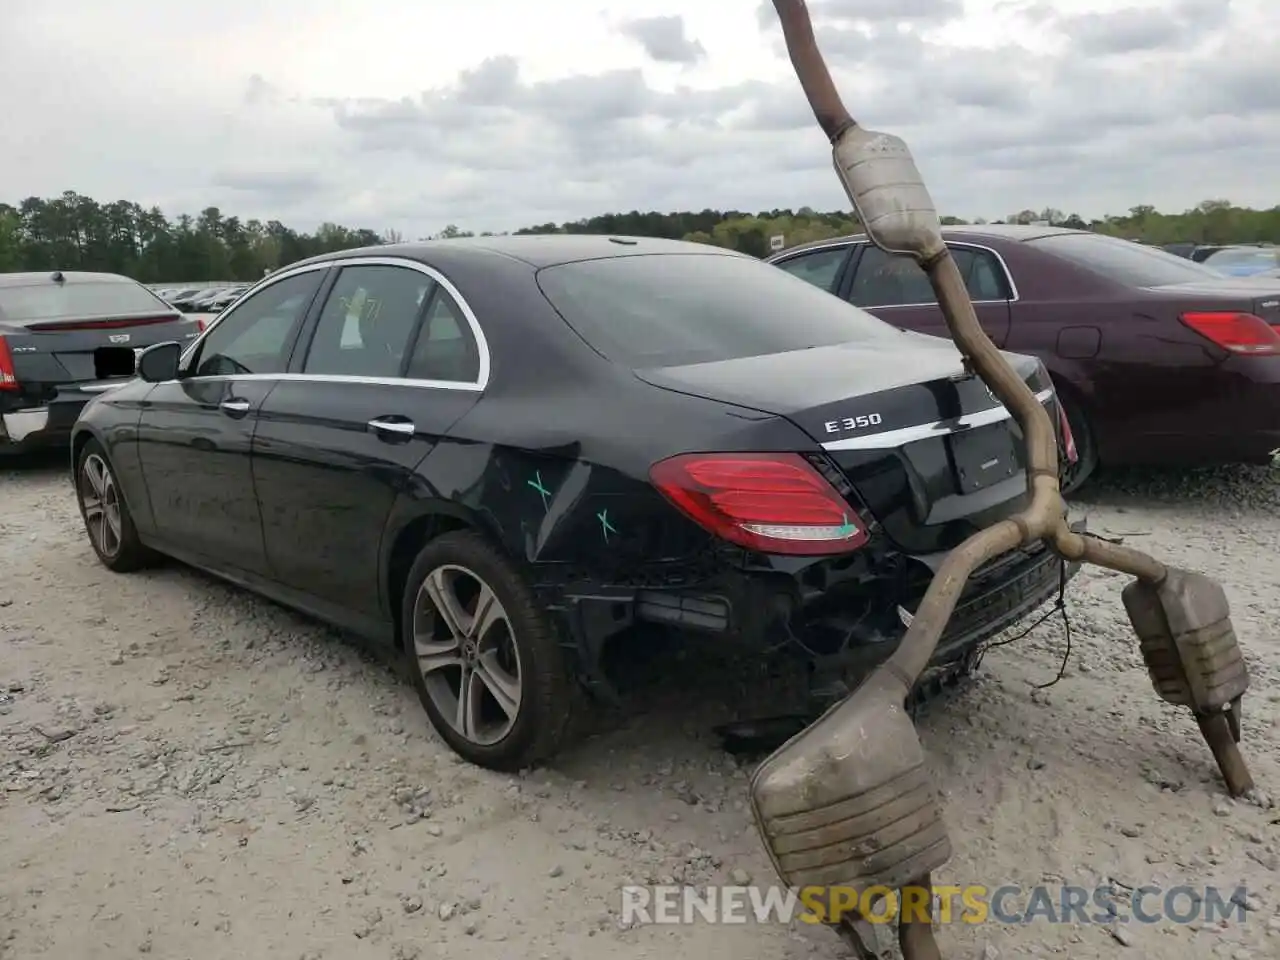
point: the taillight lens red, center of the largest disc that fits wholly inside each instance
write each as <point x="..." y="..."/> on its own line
<point x="1241" y="333"/>
<point x="770" y="502"/>
<point x="1068" y="438"/>
<point x="8" y="375"/>
<point x="200" y="324"/>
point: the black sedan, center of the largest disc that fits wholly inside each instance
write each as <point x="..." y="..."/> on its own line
<point x="65" y="337"/>
<point x="503" y="454"/>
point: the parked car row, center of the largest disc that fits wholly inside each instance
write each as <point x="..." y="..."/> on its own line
<point x="1233" y="260"/>
<point x="203" y="300"/>
<point x="1157" y="359"/>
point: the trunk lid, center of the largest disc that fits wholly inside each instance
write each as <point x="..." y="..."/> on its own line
<point x="932" y="455"/>
<point x="1257" y="295"/>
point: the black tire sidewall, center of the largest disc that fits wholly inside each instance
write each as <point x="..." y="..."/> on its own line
<point x="546" y="691"/>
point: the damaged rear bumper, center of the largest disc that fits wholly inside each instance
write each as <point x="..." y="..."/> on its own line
<point x="851" y="613"/>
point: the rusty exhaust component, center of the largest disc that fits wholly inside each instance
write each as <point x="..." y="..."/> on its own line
<point x="848" y="802"/>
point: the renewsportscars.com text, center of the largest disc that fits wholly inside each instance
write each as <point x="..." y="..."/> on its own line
<point x="972" y="904"/>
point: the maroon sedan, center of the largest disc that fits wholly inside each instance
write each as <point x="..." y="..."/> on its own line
<point x="1157" y="359"/>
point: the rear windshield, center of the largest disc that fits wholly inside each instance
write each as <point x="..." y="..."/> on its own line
<point x="1124" y="261"/>
<point x="56" y="301"/>
<point x="663" y="310"/>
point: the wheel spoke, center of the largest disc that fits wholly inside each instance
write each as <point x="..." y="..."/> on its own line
<point x="440" y="591"/>
<point x="467" y="718"/>
<point x="93" y="472"/>
<point x="502" y="686"/>
<point x="437" y="656"/>
<point x="112" y="513"/>
<point x="488" y="612"/>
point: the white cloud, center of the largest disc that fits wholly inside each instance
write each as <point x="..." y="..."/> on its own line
<point x="495" y="114"/>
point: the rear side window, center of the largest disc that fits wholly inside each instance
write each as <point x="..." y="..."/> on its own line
<point x="72" y="299"/>
<point x="368" y="322"/>
<point x="820" y="268"/>
<point x="654" y="310"/>
<point x="446" y="351"/>
<point x="1126" y="262"/>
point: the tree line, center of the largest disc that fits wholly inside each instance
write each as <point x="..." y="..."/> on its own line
<point x="75" y="232"/>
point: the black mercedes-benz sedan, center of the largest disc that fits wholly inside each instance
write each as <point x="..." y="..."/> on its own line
<point x="504" y="453"/>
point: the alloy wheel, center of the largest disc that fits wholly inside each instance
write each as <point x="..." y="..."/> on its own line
<point x="100" y="499"/>
<point x="465" y="648"/>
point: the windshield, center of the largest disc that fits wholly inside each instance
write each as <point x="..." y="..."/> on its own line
<point x="1124" y="261"/>
<point x="660" y="310"/>
<point x="56" y="301"/>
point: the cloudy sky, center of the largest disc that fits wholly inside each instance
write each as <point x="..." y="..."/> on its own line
<point x="496" y="114"/>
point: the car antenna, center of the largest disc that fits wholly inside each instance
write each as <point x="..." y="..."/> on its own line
<point x="58" y="277"/>
<point x="623" y="241"/>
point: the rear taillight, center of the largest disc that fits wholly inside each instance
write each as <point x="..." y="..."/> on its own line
<point x="1241" y="333"/>
<point x="1068" y="438"/>
<point x="8" y="375"/>
<point x="200" y="324"/>
<point x="770" y="502"/>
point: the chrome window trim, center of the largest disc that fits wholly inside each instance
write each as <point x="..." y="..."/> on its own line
<point x="482" y="344"/>
<point x="1014" y="296"/>
<point x="939" y="428"/>
<point x="338" y="378"/>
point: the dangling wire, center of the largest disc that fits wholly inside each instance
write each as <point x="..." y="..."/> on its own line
<point x="1059" y="606"/>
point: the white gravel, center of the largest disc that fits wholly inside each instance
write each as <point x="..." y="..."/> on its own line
<point x="190" y="772"/>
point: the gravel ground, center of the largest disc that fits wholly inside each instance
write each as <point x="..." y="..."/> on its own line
<point x="190" y="772"/>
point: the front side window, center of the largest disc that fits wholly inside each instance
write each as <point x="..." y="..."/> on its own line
<point x="255" y="336"/>
<point x="653" y="310"/>
<point x="892" y="280"/>
<point x="368" y="322"/>
<point x="820" y="268"/>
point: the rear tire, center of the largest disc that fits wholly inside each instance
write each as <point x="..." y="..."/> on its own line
<point x="106" y="516"/>
<point x="485" y="660"/>
<point x="1075" y="475"/>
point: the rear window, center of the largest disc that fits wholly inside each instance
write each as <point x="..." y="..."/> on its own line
<point x="56" y="301"/>
<point x="1123" y="261"/>
<point x="663" y="310"/>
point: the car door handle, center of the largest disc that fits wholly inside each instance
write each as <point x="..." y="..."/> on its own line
<point x="234" y="408"/>
<point x="389" y="427"/>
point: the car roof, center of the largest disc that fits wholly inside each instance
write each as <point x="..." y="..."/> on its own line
<point x="33" y="278"/>
<point x="974" y="232"/>
<point x="537" y="250"/>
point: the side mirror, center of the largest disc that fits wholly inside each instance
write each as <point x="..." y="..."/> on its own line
<point x="159" y="362"/>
